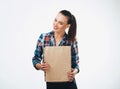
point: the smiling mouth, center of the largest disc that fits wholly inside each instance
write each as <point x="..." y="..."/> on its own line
<point x="55" y="28"/>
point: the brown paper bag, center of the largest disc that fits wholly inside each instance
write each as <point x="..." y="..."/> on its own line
<point x="59" y="58"/>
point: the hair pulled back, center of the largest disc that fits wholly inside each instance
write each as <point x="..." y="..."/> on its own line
<point x="73" y="26"/>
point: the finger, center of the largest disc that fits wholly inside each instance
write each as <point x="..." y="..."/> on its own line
<point x="72" y="69"/>
<point x="45" y="67"/>
<point x="70" y="79"/>
<point x="70" y="74"/>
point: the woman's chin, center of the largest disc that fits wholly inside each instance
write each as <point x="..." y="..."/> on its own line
<point x="56" y="30"/>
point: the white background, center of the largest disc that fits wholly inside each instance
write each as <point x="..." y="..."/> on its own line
<point x="22" y="21"/>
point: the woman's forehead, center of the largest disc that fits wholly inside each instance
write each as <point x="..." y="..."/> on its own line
<point x="61" y="17"/>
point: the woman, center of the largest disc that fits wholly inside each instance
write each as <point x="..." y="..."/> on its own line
<point x="58" y="37"/>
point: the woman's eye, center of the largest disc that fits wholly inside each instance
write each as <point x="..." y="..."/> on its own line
<point x="55" y="20"/>
<point x="61" y="23"/>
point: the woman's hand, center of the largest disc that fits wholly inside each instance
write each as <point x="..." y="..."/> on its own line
<point x="44" y="66"/>
<point x="71" y="75"/>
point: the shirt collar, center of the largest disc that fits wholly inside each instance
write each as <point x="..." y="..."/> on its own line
<point x="62" y="41"/>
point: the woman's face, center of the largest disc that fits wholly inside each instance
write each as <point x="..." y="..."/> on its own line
<point x="60" y="23"/>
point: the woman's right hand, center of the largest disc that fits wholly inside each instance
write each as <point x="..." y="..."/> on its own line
<point x="44" y="66"/>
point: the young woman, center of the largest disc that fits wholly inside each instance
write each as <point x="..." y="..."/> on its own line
<point x="58" y="37"/>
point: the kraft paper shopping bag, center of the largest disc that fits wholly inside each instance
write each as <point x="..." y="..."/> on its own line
<point x="59" y="59"/>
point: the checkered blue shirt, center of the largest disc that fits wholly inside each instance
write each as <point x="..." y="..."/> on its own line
<point x="47" y="39"/>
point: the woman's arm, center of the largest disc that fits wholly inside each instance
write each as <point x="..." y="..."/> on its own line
<point x="75" y="57"/>
<point x="36" y="60"/>
<point x="75" y="61"/>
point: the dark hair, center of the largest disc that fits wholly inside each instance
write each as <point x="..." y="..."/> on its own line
<point x="73" y="26"/>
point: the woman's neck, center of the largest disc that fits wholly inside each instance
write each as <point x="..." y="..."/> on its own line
<point x="59" y="35"/>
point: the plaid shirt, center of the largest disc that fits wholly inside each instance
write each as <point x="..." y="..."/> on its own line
<point x="47" y="39"/>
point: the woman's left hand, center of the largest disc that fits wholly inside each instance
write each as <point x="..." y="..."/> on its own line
<point x="71" y="75"/>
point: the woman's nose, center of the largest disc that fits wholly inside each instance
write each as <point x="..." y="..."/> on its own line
<point x="55" y="23"/>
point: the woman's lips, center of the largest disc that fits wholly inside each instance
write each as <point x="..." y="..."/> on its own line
<point x="55" y="28"/>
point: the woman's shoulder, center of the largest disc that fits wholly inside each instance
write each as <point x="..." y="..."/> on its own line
<point x="42" y="35"/>
<point x="47" y="33"/>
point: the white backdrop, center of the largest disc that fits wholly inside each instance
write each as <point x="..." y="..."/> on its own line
<point x="22" y="21"/>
